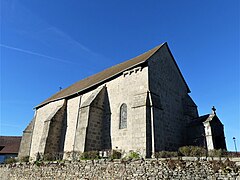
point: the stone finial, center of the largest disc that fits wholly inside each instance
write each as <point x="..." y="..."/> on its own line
<point x="214" y="110"/>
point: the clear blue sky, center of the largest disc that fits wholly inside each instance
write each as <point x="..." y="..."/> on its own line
<point x="46" y="44"/>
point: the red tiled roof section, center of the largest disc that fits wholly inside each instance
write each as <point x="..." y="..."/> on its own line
<point x="10" y="144"/>
<point x="101" y="76"/>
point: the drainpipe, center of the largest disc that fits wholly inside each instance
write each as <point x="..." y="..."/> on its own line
<point x="152" y="124"/>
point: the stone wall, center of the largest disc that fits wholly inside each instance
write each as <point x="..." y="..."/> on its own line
<point x="129" y="88"/>
<point x="189" y="168"/>
<point x="73" y="106"/>
<point x="43" y="114"/>
<point x="94" y="135"/>
<point x="218" y="133"/>
<point x="168" y="87"/>
<point x="54" y="132"/>
<point x="25" y="145"/>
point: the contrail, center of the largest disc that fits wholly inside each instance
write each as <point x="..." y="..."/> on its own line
<point x="36" y="54"/>
<point x="10" y="125"/>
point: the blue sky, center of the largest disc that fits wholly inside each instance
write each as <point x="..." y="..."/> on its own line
<point x="50" y="44"/>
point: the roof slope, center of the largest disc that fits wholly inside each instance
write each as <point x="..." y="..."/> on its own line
<point x="101" y="76"/>
<point x="199" y="120"/>
<point x="10" y="144"/>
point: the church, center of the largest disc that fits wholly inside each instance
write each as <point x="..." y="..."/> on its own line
<point x="141" y="105"/>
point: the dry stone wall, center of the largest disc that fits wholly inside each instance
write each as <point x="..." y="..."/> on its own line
<point x="189" y="168"/>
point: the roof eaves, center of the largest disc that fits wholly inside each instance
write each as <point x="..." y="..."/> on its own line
<point x="87" y="87"/>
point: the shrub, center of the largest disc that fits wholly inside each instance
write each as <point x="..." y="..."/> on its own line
<point x="73" y="155"/>
<point x="133" y="155"/>
<point x="24" y="159"/>
<point x="192" y="151"/>
<point x="197" y="151"/>
<point x="115" y="154"/>
<point x="185" y="150"/>
<point x="89" y="155"/>
<point x="10" y="160"/>
<point x="48" y="157"/>
<point x="166" y="154"/>
<point x="217" y="153"/>
<point x="39" y="156"/>
<point x="52" y="156"/>
<point x="38" y="163"/>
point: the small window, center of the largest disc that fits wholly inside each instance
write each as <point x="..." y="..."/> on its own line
<point x="123" y="116"/>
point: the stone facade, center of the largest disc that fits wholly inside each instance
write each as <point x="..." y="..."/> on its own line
<point x="25" y="145"/>
<point x="90" y="116"/>
<point x="168" y="89"/>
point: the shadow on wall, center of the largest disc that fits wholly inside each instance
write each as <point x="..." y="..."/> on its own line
<point x="106" y="128"/>
<point x="98" y="136"/>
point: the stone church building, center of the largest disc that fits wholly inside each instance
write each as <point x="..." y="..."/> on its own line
<point x="142" y="104"/>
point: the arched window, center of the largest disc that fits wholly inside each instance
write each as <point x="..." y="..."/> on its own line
<point x="123" y="116"/>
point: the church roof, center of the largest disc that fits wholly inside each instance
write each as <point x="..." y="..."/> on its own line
<point x="104" y="75"/>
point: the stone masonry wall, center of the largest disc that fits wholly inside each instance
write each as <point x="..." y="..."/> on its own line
<point x="129" y="88"/>
<point x="89" y="121"/>
<point x="25" y="145"/>
<point x="95" y="123"/>
<point x="166" y="83"/>
<point x="189" y="168"/>
<point x="56" y="132"/>
<point x="73" y="106"/>
<point x="43" y="114"/>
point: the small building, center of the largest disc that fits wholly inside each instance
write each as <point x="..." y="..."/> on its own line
<point x="207" y="131"/>
<point x="9" y="147"/>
